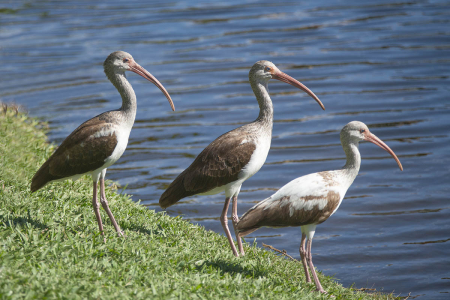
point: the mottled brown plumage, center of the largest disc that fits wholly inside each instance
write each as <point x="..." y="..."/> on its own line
<point x="217" y="165"/>
<point x="235" y="156"/>
<point x="311" y="199"/>
<point x="81" y="152"/>
<point x="99" y="142"/>
<point x="279" y="213"/>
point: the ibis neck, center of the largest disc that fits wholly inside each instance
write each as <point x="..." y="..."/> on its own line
<point x="353" y="158"/>
<point x="261" y="91"/>
<point x="129" y="105"/>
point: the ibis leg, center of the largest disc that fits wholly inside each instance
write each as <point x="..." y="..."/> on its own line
<point x="319" y="287"/>
<point x="303" y="257"/>
<point x="106" y="206"/>
<point x="235" y="218"/>
<point x="224" y="221"/>
<point x="96" y="207"/>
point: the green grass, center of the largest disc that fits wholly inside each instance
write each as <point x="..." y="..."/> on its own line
<point x="50" y="246"/>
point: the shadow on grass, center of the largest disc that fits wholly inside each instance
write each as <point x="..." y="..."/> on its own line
<point x="231" y="268"/>
<point x="139" y="229"/>
<point x="21" y="221"/>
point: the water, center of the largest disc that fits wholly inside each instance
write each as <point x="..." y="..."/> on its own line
<point x="384" y="63"/>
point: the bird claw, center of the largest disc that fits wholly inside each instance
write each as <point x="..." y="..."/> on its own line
<point x="322" y="291"/>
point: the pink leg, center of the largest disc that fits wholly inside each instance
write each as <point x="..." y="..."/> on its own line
<point x="235" y="218"/>
<point x="97" y="211"/>
<point x="106" y="207"/>
<point x="303" y="256"/>
<point x="319" y="287"/>
<point x="224" y="221"/>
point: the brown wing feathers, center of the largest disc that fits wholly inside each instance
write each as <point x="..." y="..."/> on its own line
<point x="79" y="153"/>
<point x="218" y="164"/>
<point x="41" y="177"/>
<point x="282" y="214"/>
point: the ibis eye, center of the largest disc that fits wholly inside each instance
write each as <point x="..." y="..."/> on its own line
<point x="268" y="68"/>
<point x="362" y="130"/>
<point x="125" y="60"/>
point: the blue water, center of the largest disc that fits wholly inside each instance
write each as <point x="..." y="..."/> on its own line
<point x="384" y="63"/>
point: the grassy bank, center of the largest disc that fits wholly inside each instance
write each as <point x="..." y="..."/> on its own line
<point x="50" y="246"/>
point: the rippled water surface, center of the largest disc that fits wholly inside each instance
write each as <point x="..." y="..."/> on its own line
<point x="385" y="63"/>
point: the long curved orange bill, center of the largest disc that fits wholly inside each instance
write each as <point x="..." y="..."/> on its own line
<point x="374" y="139"/>
<point x="136" y="68"/>
<point x="294" y="82"/>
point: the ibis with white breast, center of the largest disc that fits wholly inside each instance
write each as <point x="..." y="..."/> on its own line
<point x="236" y="155"/>
<point x="99" y="142"/>
<point x="311" y="199"/>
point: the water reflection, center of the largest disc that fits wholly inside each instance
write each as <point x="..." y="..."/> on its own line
<point x="428" y="242"/>
<point x="420" y="211"/>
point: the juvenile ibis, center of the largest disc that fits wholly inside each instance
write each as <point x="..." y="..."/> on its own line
<point x="99" y="142"/>
<point x="311" y="199"/>
<point x="234" y="156"/>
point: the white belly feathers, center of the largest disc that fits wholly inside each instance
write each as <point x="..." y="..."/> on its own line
<point x="257" y="159"/>
<point x="255" y="163"/>
<point x="122" y="135"/>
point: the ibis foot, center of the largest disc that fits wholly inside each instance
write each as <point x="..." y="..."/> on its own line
<point x="224" y="221"/>
<point x="96" y="207"/>
<point x="319" y="287"/>
<point x="235" y="217"/>
<point x="238" y="238"/>
<point x="106" y="206"/>
<point x="302" y="251"/>
<point x="325" y="293"/>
